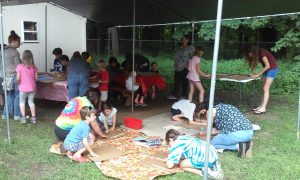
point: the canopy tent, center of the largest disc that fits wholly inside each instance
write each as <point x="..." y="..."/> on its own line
<point x="166" y="11"/>
<point x="119" y="12"/>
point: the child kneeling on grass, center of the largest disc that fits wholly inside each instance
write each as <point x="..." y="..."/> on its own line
<point x="189" y="153"/>
<point x="107" y="117"/>
<point x="80" y="137"/>
<point x="185" y="109"/>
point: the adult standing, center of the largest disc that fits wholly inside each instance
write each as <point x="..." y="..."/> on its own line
<point x="182" y="57"/>
<point x="78" y="76"/>
<point x="269" y="72"/>
<point x="11" y="60"/>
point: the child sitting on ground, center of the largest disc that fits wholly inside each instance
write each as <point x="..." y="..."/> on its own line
<point x="154" y="69"/>
<point x="80" y="137"/>
<point x="108" y="117"/>
<point x="26" y="76"/>
<point x="103" y="79"/>
<point x="189" y="153"/>
<point x="139" y="99"/>
<point x="186" y="109"/>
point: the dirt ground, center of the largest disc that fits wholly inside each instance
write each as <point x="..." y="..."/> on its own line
<point x="50" y="110"/>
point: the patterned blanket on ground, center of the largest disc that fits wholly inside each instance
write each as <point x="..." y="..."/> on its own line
<point x="130" y="165"/>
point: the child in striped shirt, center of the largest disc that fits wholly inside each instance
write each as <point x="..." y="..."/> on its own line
<point x="189" y="153"/>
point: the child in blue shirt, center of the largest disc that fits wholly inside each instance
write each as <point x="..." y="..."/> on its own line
<point x="80" y="137"/>
<point x="189" y="153"/>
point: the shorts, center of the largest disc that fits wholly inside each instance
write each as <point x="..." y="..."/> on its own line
<point x="271" y="73"/>
<point x="195" y="82"/>
<point x="175" y="111"/>
<point x="60" y="133"/>
<point x="103" y="96"/>
<point x="74" y="147"/>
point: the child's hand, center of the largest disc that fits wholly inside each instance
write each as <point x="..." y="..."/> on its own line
<point x="254" y="75"/>
<point x="106" y="131"/>
<point x="112" y="129"/>
<point x="104" y="136"/>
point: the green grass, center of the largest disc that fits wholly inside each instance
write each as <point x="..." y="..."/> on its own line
<point x="275" y="154"/>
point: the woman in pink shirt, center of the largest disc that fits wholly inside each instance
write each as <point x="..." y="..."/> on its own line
<point x="195" y="73"/>
<point x="26" y="76"/>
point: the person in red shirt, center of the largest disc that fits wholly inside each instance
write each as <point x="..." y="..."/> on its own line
<point x="102" y="78"/>
<point x="269" y="72"/>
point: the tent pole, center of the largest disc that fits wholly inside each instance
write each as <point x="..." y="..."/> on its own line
<point x="4" y="78"/>
<point x="133" y="57"/>
<point x="213" y="84"/>
<point x="193" y="33"/>
<point x="298" y="129"/>
<point x="108" y="42"/>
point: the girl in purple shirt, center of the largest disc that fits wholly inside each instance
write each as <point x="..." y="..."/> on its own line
<point x="269" y="72"/>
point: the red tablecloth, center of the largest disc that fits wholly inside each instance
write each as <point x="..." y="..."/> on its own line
<point x="56" y="91"/>
<point x="146" y="81"/>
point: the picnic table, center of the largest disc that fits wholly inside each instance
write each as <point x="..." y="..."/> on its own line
<point x="238" y="78"/>
<point x="50" y="87"/>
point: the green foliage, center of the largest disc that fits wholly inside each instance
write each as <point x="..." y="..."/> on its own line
<point x="181" y="30"/>
<point x="291" y="38"/>
<point x="233" y="24"/>
<point x="207" y="31"/>
<point x="256" y="23"/>
<point x="289" y="29"/>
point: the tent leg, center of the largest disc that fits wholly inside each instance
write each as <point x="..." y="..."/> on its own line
<point x="213" y="84"/>
<point x="298" y="130"/>
<point x="4" y="79"/>
<point x="133" y="57"/>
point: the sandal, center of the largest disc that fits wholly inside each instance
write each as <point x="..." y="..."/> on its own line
<point x="259" y="112"/>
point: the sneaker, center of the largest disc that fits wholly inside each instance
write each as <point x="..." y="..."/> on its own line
<point x="17" y="118"/>
<point x="220" y="150"/>
<point x="241" y="149"/>
<point x="143" y="104"/>
<point x="33" y="120"/>
<point x="23" y="120"/>
<point x="217" y="174"/>
<point x="248" y="149"/>
<point x="171" y="97"/>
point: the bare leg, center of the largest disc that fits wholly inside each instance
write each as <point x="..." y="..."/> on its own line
<point x="191" y="93"/>
<point x="178" y="117"/>
<point x="92" y="140"/>
<point x="266" y="94"/>
<point x="262" y="96"/>
<point x="137" y="99"/>
<point x="187" y="166"/>
<point x="1" y="100"/>
<point x="153" y="92"/>
<point x="201" y="92"/>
